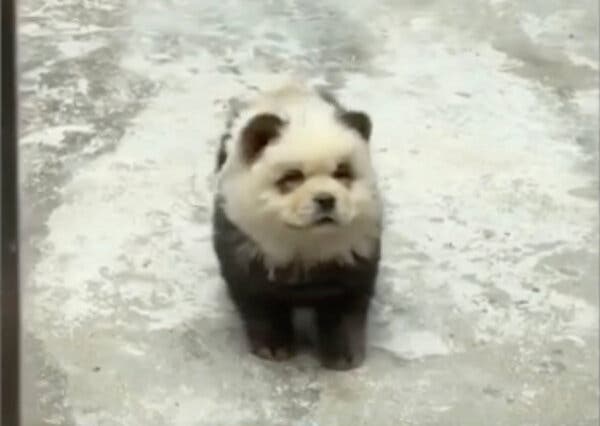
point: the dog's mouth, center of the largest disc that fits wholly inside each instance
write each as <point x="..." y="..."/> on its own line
<point x="324" y="221"/>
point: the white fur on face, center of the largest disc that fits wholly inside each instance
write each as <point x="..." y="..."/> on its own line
<point x="286" y="224"/>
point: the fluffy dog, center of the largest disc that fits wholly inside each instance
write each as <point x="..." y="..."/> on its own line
<point x="297" y="221"/>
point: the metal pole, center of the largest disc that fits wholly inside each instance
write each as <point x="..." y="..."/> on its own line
<point x="10" y="295"/>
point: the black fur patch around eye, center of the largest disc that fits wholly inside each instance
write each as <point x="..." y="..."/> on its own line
<point x="290" y="180"/>
<point x="343" y="172"/>
<point x="358" y="121"/>
<point x="258" y="133"/>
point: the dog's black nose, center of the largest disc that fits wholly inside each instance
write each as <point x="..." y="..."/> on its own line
<point x="325" y="201"/>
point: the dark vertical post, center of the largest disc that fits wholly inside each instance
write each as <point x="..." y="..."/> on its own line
<point x="10" y="300"/>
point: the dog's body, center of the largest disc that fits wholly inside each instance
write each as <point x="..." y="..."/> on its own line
<point x="297" y="222"/>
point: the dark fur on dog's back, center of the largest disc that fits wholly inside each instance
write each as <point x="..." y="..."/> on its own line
<point x="340" y="294"/>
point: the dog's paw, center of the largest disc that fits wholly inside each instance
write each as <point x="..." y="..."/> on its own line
<point x="271" y="344"/>
<point x="270" y="353"/>
<point x="342" y="346"/>
<point x="343" y="359"/>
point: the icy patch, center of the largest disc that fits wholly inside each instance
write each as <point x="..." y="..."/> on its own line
<point x="414" y="344"/>
<point x="129" y="234"/>
<point x="73" y="48"/>
<point x="54" y="136"/>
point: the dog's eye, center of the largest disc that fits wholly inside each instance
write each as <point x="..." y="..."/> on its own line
<point x="292" y="175"/>
<point x="343" y="172"/>
<point x="290" y="179"/>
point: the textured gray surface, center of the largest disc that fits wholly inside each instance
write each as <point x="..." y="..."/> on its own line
<point x="485" y="138"/>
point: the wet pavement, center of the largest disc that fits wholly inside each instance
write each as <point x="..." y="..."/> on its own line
<point x="485" y="139"/>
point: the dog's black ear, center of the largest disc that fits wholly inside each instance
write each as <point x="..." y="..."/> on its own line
<point x="258" y="133"/>
<point x="358" y="121"/>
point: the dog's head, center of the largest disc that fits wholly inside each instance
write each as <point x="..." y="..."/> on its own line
<point x="302" y="172"/>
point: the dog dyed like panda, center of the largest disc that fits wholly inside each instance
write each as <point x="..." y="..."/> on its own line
<point x="297" y="221"/>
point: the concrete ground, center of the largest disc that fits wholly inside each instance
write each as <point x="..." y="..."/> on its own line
<point x="485" y="137"/>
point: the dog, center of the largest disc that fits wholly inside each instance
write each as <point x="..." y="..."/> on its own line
<point x="297" y="221"/>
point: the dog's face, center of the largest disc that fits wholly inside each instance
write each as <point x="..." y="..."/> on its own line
<point x="313" y="181"/>
<point x="307" y="182"/>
